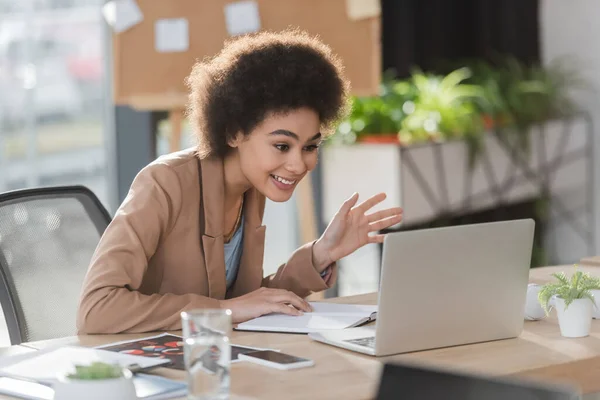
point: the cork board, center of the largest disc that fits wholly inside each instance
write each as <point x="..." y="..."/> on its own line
<point x="146" y="79"/>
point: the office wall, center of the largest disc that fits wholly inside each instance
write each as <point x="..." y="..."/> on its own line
<point x="570" y="29"/>
<point x="281" y="237"/>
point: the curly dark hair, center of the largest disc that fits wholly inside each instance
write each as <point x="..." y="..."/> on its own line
<point x="260" y="74"/>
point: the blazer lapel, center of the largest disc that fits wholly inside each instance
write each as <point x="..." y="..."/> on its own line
<point x="213" y="196"/>
<point x="250" y="273"/>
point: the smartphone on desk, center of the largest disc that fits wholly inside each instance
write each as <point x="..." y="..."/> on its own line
<point x="276" y="359"/>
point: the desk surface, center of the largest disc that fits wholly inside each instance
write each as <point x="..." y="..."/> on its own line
<point x="593" y="261"/>
<point x="539" y="352"/>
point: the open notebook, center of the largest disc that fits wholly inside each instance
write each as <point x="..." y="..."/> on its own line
<point x="325" y="316"/>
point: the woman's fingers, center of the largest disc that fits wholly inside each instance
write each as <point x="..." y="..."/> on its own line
<point x="370" y="203"/>
<point x="285" y="296"/>
<point x="348" y="204"/>
<point x="376" y="239"/>
<point x="284" y="309"/>
<point x="384" y="223"/>
<point x="390" y="212"/>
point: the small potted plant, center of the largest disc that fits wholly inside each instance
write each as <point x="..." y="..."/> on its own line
<point x="95" y="382"/>
<point x="573" y="300"/>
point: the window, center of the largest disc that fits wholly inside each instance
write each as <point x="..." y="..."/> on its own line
<point x="52" y="79"/>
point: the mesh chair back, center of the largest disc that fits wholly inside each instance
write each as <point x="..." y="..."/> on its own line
<point x="47" y="239"/>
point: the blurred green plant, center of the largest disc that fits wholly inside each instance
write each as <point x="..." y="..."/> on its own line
<point x="517" y="96"/>
<point x="443" y="108"/>
<point x="507" y="97"/>
<point x="378" y="115"/>
<point x="96" y="371"/>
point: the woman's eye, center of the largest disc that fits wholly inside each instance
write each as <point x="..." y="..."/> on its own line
<point x="312" y="147"/>
<point x="282" y="147"/>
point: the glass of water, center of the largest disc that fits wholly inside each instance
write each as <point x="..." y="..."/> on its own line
<point x="207" y="353"/>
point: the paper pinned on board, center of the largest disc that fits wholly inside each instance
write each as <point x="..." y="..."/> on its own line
<point x="242" y="17"/>
<point x="122" y="14"/>
<point x="171" y="35"/>
<point x="361" y="9"/>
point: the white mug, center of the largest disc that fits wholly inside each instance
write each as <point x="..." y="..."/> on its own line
<point x="533" y="308"/>
<point x="596" y="308"/>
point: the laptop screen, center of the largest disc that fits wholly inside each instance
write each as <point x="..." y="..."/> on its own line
<point x="411" y="383"/>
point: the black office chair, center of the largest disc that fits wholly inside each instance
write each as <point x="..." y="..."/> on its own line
<point x="411" y="382"/>
<point x="47" y="238"/>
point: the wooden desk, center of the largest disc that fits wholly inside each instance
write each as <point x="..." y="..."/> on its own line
<point x="544" y="275"/>
<point x="591" y="261"/>
<point x="539" y="352"/>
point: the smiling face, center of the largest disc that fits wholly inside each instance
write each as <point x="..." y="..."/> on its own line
<point x="279" y="152"/>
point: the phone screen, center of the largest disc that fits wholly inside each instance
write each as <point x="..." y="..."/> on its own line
<point x="276" y="357"/>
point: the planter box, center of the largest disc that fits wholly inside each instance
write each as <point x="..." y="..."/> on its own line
<point x="434" y="179"/>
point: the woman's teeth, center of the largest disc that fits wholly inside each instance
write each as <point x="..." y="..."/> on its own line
<point x="282" y="180"/>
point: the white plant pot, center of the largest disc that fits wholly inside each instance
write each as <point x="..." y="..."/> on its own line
<point x="114" y="389"/>
<point x="576" y="320"/>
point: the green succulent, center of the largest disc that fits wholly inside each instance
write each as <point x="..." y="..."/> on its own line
<point x="97" y="371"/>
<point x="579" y="286"/>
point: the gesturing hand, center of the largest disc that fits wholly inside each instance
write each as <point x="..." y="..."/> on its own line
<point x="264" y="301"/>
<point x="350" y="228"/>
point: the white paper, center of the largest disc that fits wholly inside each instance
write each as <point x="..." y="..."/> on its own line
<point x="171" y="35"/>
<point x="360" y="9"/>
<point x="147" y="387"/>
<point x="306" y="323"/>
<point x="122" y="14"/>
<point x="25" y="390"/>
<point x="47" y="366"/>
<point x="325" y="316"/>
<point x="242" y="17"/>
<point x="359" y="309"/>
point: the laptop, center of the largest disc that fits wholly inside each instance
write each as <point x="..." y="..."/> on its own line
<point x="415" y="382"/>
<point x="445" y="287"/>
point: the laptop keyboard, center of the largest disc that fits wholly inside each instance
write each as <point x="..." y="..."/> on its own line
<point x="366" y="342"/>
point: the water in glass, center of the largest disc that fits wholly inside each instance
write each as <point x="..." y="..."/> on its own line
<point x="207" y="354"/>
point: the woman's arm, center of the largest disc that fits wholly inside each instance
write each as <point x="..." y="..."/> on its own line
<point x="300" y="274"/>
<point x="349" y="230"/>
<point x="110" y="301"/>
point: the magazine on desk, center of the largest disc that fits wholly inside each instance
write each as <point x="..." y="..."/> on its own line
<point x="167" y="347"/>
<point x="324" y="316"/>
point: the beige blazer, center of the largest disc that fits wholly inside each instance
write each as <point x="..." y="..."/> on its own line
<point x="163" y="252"/>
